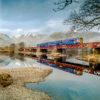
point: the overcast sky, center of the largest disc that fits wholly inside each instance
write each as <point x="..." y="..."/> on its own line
<point x="36" y="16"/>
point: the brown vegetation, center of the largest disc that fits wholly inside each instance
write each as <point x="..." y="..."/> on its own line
<point x="5" y="79"/>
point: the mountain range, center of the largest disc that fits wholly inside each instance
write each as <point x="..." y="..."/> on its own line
<point x="5" y="40"/>
<point x="32" y="39"/>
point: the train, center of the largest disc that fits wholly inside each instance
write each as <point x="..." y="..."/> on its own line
<point x="71" y="55"/>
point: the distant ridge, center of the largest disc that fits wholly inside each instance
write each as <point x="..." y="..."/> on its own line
<point x="5" y="40"/>
<point x="32" y="39"/>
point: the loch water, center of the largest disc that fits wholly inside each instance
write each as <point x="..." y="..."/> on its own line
<point x="59" y="85"/>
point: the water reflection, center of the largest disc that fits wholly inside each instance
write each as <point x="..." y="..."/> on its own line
<point x="59" y="85"/>
<point x="11" y="60"/>
<point x="17" y="56"/>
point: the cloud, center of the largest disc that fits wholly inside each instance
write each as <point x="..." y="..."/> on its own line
<point x="19" y="30"/>
<point x="54" y="26"/>
<point x="48" y="27"/>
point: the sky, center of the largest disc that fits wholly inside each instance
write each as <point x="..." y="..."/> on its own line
<point x="35" y="16"/>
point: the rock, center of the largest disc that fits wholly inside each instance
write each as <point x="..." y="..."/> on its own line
<point x="5" y="79"/>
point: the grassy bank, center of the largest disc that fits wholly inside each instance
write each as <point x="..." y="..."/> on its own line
<point x="20" y="76"/>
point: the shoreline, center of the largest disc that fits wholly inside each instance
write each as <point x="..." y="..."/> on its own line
<point x="22" y="76"/>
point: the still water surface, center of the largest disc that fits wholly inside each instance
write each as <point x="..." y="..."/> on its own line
<point x="59" y="85"/>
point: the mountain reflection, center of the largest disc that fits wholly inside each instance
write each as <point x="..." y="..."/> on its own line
<point x="6" y="60"/>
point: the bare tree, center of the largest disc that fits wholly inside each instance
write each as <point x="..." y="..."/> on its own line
<point x="61" y="4"/>
<point x="87" y="17"/>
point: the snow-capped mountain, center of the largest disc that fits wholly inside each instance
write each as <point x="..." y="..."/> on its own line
<point x="31" y="39"/>
<point x="5" y="40"/>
